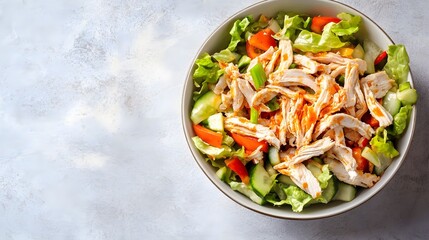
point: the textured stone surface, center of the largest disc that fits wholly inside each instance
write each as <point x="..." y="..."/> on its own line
<point x="91" y="144"/>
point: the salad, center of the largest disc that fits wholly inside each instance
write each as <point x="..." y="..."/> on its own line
<point x="297" y="111"/>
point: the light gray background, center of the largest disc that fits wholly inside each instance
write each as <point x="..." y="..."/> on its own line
<point x="91" y="143"/>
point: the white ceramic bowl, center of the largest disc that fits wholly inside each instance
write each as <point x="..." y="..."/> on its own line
<point x="219" y="40"/>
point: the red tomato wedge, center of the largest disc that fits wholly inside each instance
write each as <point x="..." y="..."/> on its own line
<point x="209" y="136"/>
<point x="318" y="23"/>
<point x="363" y="142"/>
<point x="250" y="143"/>
<point x="362" y="163"/>
<point x="263" y="39"/>
<point x="252" y="52"/>
<point x="238" y="167"/>
<point x="380" y="57"/>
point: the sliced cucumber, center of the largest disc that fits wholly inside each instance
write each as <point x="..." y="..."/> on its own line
<point x="286" y="180"/>
<point x="391" y="103"/>
<point x="329" y="192"/>
<point x="273" y="156"/>
<point x="345" y="192"/>
<point x="407" y="96"/>
<point x="358" y="52"/>
<point x="215" y="122"/>
<point x="278" y="189"/>
<point x="260" y="180"/>
<point x="245" y="190"/>
<point x="205" y="106"/>
<point x="384" y="163"/>
<point x="314" y="169"/>
<point x="371" y="52"/>
<point x="371" y="156"/>
<point x="223" y="173"/>
<point x="270" y="170"/>
<point x="227" y="140"/>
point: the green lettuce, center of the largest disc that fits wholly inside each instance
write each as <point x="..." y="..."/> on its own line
<point x="400" y="120"/>
<point x="237" y="30"/>
<point x="313" y="42"/>
<point x="295" y="197"/>
<point x="397" y="66"/>
<point x="247" y="191"/>
<point x="324" y="177"/>
<point x="290" y="27"/>
<point x="382" y="145"/>
<point x="349" y="25"/>
<point x="207" y="72"/>
<point x="225" y="56"/>
<point x="212" y="152"/>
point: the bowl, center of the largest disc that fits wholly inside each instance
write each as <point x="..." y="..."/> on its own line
<point x="217" y="41"/>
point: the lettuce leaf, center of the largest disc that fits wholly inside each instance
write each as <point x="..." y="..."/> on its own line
<point x="225" y="56"/>
<point x="297" y="198"/>
<point x="212" y="152"/>
<point x="397" y="66"/>
<point x="324" y="177"/>
<point x="237" y="30"/>
<point x="247" y="191"/>
<point x="382" y="145"/>
<point x="290" y="27"/>
<point x="313" y="42"/>
<point x="349" y="25"/>
<point x="207" y="72"/>
<point x="400" y="120"/>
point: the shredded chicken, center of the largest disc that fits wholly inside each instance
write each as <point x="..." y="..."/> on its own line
<point x="338" y="59"/>
<point x="286" y="56"/>
<point x="379" y="83"/>
<point x="344" y="120"/>
<point x="246" y="89"/>
<point x="375" y="108"/>
<point x="293" y="77"/>
<point x="361" y="179"/>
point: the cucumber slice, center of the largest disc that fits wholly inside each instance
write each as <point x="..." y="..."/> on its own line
<point x="391" y="103"/>
<point x="205" y="106"/>
<point x="329" y="192"/>
<point x="215" y="122"/>
<point x="345" y="192"/>
<point x="371" y="156"/>
<point x="384" y="163"/>
<point x="260" y="180"/>
<point x="278" y="189"/>
<point x="407" y="96"/>
<point x="314" y="169"/>
<point x="371" y="52"/>
<point x="273" y="156"/>
<point x="286" y="180"/>
<point x="270" y="170"/>
<point x="358" y="52"/>
<point x="223" y="173"/>
<point x="245" y="190"/>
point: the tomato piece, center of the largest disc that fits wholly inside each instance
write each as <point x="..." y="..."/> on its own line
<point x="362" y="163"/>
<point x="252" y="52"/>
<point x="238" y="167"/>
<point x="250" y="143"/>
<point x="380" y="57"/>
<point x="263" y="39"/>
<point x="363" y="142"/>
<point x="369" y="119"/>
<point x="211" y="137"/>
<point x="318" y="23"/>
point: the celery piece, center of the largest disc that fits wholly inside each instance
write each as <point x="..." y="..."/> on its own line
<point x="258" y="76"/>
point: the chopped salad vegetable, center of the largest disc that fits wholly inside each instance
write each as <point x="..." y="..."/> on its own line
<point x="297" y="110"/>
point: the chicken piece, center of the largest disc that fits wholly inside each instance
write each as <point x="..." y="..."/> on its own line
<point x="237" y="96"/>
<point x="375" y="108"/>
<point x="339" y="135"/>
<point x="350" y="81"/>
<point x="314" y="149"/>
<point x="220" y="85"/>
<point x="327" y="91"/>
<point x="283" y="124"/>
<point x="272" y="64"/>
<point x="256" y="156"/>
<point x="268" y="93"/>
<point x="345" y="156"/>
<point x="360" y="107"/>
<point x="337" y="103"/>
<point x="337" y="59"/>
<point x="365" y="180"/>
<point x="352" y="135"/>
<point x="293" y="77"/>
<point x="379" y="83"/>
<point x="293" y="120"/>
<point x="243" y="126"/>
<point x="309" y="66"/>
<point x="343" y="120"/>
<point x="231" y="73"/>
<point x="264" y="59"/>
<point x="308" y="122"/>
<point x="338" y="71"/>
<point x="286" y="56"/>
<point x="226" y="101"/>
<point x="246" y="89"/>
<point x="303" y="178"/>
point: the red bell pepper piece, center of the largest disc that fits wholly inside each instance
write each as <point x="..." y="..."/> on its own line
<point x="318" y="23"/>
<point x="250" y="143"/>
<point x="238" y="167"/>
<point x="263" y="39"/>
<point x="362" y="163"/>
<point x="209" y="136"/>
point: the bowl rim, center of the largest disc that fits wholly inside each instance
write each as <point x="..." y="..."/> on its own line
<point x="184" y="118"/>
